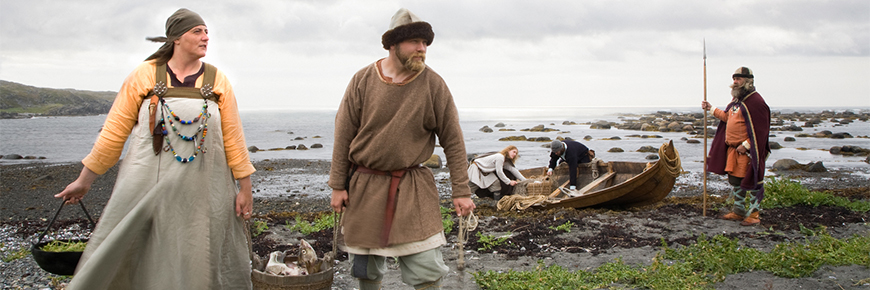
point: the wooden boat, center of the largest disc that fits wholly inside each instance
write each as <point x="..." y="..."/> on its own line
<point x="612" y="183"/>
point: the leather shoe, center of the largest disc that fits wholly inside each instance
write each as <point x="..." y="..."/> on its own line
<point x="731" y="216"/>
<point x="751" y="220"/>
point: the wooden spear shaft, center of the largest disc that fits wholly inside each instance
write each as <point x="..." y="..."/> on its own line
<point x="704" y="210"/>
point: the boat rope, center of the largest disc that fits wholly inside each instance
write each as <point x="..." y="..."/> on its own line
<point x="673" y="166"/>
<point x="466" y="224"/>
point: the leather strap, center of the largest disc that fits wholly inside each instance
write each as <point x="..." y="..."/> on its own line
<point x="390" y="212"/>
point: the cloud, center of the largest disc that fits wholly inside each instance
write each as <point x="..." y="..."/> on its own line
<point x="302" y="53"/>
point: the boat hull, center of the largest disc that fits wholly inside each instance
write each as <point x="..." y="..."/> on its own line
<point x="633" y="183"/>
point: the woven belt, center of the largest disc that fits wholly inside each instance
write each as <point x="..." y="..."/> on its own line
<point x="390" y="212"/>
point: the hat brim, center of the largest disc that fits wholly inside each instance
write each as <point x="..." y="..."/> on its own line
<point x="408" y="31"/>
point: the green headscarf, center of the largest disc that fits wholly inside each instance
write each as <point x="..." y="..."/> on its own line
<point x="176" y="25"/>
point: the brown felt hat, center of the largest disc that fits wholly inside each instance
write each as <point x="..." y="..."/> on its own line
<point x="405" y="25"/>
<point x="743" y="72"/>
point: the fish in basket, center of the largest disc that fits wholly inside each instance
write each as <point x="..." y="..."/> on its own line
<point x="283" y="271"/>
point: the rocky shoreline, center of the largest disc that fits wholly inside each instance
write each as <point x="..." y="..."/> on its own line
<point x="600" y="236"/>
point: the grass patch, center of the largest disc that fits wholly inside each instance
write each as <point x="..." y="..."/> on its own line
<point x="15" y="255"/>
<point x="322" y="222"/>
<point x="784" y="193"/>
<point x="489" y="241"/>
<point x="566" y="227"/>
<point x="699" y="265"/>
<point x="258" y="227"/>
<point x="447" y="219"/>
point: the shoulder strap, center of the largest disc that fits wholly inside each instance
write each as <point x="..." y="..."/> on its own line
<point x="160" y="74"/>
<point x="208" y="76"/>
<point x="205" y="91"/>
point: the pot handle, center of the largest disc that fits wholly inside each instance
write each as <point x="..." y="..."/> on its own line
<point x="62" y="203"/>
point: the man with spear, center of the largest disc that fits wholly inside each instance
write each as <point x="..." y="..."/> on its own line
<point x="740" y="147"/>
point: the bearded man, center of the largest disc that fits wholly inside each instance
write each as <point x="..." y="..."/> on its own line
<point x="385" y="127"/>
<point x="740" y="147"/>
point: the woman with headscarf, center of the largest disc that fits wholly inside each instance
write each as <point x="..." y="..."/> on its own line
<point x="175" y="219"/>
<point x="482" y="180"/>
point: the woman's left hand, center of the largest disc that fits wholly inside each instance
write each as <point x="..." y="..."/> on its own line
<point x="244" y="199"/>
<point x="513" y="182"/>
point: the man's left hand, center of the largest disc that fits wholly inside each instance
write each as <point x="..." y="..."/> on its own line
<point x="463" y="205"/>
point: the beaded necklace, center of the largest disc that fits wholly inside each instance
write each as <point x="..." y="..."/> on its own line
<point x="203" y="128"/>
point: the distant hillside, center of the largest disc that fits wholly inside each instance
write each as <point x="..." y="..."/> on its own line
<point x="17" y="100"/>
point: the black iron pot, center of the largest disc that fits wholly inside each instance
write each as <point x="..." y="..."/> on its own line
<point x="60" y="263"/>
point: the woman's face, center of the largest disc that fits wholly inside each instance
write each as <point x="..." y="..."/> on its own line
<point x="513" y="153"/>
<point x="193" y="42"/>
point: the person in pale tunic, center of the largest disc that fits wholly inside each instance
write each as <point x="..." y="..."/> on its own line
<point x="389" y="119"/>
<point x="175" y="219"/>
<point x="495" y="175"/>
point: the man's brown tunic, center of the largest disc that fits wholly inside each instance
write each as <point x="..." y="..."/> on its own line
<point x="387" y="126"/>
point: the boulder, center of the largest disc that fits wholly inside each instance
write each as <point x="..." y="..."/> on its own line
<point x="298" y="138"/>
<point x="587" y="137"/>
<point x="815" y="167"/>
<point x="316" y="145"/>
<point x="652" y="157"/>
<point x="789" y="139"/>
<point x="253" y="148"/>
<point x="841" y="135"/>
<point x="486" y="129"/>
<point x="499" y="125"/>
<point x="822" y="134"/>
<point x="688" y="128"/>
<point x="648" y="149"/>
<point x="791" y="128"/>
<point x="604" y="125"/>
<point x="775" y="145"/>
<point x="301" y="147"/>
<point x="434" y="161"/>
<point x="835" y="150"/>
<point x="291" y="147"/>
<point x="616" y="150"/>
<point x="513" y="138"/>
<point x="693" y="141"/>
<point x="786" y="164"/>
<point x="648" y="127"/>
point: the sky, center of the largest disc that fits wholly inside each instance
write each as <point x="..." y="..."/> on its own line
<point x="301" y="54"/>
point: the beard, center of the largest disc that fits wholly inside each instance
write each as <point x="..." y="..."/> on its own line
<point x="410" y="63"/>
<point x="738" y="92"/>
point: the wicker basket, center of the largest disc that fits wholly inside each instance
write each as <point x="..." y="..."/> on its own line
<point x="315" y="281"/>
<point x="539" y="188"/>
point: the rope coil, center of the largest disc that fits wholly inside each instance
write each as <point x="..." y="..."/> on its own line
<point x="466" y="224"/>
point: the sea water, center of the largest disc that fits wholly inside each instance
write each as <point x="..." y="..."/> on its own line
<point x="69" y="139"/>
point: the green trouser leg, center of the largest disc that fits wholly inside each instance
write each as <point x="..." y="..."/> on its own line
<point x="754" y="203"/>
<point x="369" y="270"/>
<point x="423" y="270"/>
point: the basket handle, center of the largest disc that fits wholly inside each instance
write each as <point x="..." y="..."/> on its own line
<point x="62" y="203"/>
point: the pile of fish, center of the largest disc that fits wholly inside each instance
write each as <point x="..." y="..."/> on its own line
<point x="307" y="262"/>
